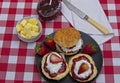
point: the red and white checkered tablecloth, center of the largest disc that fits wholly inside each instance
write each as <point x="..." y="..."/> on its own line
<point x="17" y="59"/>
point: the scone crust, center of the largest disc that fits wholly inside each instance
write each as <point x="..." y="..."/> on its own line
<point x="58" y="77"/>
<point x="70" y="63"/>
<point x="67" y="37"/>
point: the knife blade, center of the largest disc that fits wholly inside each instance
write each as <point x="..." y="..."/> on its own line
<point x="86" y="17"/>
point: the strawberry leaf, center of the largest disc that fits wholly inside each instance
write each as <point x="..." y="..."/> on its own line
<point x="49" y="37"/>
<point x="37" y="48"/>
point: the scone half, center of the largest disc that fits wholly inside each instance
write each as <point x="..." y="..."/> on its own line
<point x="54" y="66"/>
<point x="82" y="68"/>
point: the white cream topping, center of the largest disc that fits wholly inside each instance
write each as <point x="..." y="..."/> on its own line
<point x="77" y="47"/>
<point x="84" y="74"/>
<point x="53" y="68"/>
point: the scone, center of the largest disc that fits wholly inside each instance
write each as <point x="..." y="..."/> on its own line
<point x="54" y="66"/>
<point x="68" y="41"/>
<point x="82" y="68"/>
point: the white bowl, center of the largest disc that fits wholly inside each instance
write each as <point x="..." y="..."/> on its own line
<point x="32" y="39"/>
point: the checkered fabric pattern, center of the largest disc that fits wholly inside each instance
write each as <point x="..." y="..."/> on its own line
<point x="17" y="59"/>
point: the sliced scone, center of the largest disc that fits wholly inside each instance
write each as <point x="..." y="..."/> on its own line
<point x="82" y="68"/>
<point x="68" y="41"/>
<point x="54" y="66"/>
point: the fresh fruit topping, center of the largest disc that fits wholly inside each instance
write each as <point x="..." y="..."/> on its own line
<point x="55" y="59"/>
<point x="84" y="67"/>
<point x="41" y="49"/>
<point x="50" y="42"/>
<point x="89" y="49"/>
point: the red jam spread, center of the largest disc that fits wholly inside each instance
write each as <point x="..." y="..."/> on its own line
<point x="61" y="70"/>
<point x="47" y="11"/>
<point x="73" y="66"/>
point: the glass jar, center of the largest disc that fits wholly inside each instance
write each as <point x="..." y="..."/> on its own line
<point x="48" y="10"/>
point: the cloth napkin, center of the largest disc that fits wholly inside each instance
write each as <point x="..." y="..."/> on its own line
<point x="94" y="10"/>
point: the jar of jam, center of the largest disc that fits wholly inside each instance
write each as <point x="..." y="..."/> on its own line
<point x="48" y="9"/>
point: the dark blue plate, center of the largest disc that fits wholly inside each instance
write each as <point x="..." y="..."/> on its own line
<point x="97" y="57"/>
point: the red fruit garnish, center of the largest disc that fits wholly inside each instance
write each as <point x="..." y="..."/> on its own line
<point x="89" y="49"/>
<point x="41" y="49"/>
<point x="50" y="42"/>
<point x="84" y="67"/>
<point x="55" y="59"/>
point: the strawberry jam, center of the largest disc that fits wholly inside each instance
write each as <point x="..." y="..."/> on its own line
<point x="47" y="11"/>
<point x="61" y="70"/>
<point x="73" y="67"/>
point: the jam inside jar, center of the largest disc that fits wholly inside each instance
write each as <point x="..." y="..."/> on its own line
<point x="47" y="11"/>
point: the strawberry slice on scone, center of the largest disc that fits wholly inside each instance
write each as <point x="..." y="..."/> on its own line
<point x="84" y="67"/>
<point x="55" y="59"/>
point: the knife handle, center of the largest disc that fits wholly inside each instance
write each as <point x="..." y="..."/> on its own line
<point x="98" y="26"/>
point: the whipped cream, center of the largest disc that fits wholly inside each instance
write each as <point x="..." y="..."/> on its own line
<point x="77" y="47"/>
<point x="53" y="68"/>
<point x="84" y="74"/>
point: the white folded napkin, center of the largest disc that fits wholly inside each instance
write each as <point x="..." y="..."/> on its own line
<point x="94" y="10"/>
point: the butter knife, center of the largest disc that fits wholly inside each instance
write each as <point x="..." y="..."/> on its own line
<point x="85" y="17"/>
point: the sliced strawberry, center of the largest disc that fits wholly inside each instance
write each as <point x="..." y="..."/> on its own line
<point x="50" y="42"/>
<point x="41" y="49"/>
<point x="89" y="49"/>
<point x="84" y="67"/>
<point x="55" y="59"/>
